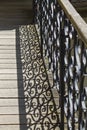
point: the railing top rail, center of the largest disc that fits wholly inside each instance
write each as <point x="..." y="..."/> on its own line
<point x="77" y="21"/>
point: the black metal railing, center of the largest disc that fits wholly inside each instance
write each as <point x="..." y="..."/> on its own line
<point x="63" y="36"/>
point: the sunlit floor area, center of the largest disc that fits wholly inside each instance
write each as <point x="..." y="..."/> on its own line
<point x="43" y="60"/>
<point x="26" y="99"/>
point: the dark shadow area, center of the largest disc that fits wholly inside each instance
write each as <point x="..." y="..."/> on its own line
<point x="21" y="99"/>
<point x="9" y="26"/>
<point x="15" y="12"/>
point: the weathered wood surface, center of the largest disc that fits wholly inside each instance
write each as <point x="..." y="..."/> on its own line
<point x="16" y="11"/>
<point x="16" y="103"/>
<point x="9" y="95"/>
<point x="12" y="127"/>
<point x="6" y="84"/>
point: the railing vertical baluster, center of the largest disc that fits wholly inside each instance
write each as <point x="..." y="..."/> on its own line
<point x="62" y="84"/>
<point x="41" y="16"/>
<point x="81" y="120"/>
<point x="74" y="78"/>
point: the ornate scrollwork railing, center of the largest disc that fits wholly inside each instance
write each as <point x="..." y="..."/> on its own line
<point x="63" y="36"/>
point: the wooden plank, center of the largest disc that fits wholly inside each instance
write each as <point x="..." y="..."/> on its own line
<point x="12" y="75"/>
<point x="8" y="41"/>
<point x="21" y="93"/>
<point x="7" y="56"/>
<point x="7" y="61"/>
<point x="11" y="93"/>
<point x="6" y="47"/>
<point x="9" y="102"/>
<point x="9" y="111"/>
<point x="24" y="127"/>
<point x="10" y="127"/>
<point x="9" y="77"/>
<point x="9" y="66"/>
<point x="15" y="20"/>
<point x="7" y="84"/>
<point x="12" y="110"/>
<point x="16" y="4"/>
<point x="16" y="119"/>
<point x="11" y="120"/>
<point x="11" y="11"/>
<point x="8" y="52"/>
<point x="10" y="71"/>
<point x="80" y="5"/>
<point x="8" y="34"/>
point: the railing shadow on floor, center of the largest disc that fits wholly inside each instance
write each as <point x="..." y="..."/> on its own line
<point x="37" y="108"/>
<point x="40" y="110"/>
<point x="21" y="99"/>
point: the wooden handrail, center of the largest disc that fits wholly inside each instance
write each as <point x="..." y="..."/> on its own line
<point x="77" y="21"/>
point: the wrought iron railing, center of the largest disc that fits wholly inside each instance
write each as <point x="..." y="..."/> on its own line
<point x="63" y="35"/>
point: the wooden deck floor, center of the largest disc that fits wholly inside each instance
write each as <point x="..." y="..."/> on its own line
<point x="26" y="99"/>
<point x="9" y="103"/>
<point x="15" y="12"/>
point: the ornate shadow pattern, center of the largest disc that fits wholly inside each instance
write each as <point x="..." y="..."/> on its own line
<point x="41" y="110"/>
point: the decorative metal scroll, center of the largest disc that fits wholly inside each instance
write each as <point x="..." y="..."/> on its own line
<point x="67" y="60"/>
